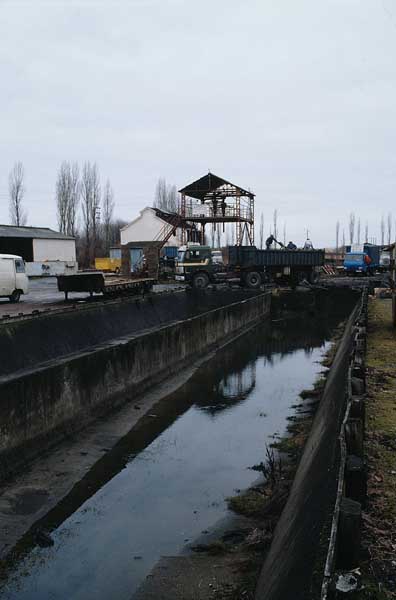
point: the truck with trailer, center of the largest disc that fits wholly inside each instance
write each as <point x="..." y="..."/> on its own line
<point x="248" y="265"/>
<point x="362" y="259"/>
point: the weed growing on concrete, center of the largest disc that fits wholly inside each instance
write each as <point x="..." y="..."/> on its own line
<point x="271" y="468"/>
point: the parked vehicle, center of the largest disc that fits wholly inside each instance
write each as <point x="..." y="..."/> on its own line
<point x="108" y="265"/>
<point x="362" y="259"/>
<point x="168" y="255"/>
<point x="248" y="265"/>
<point x="13" y="279"/>
<point x="169" y="252"/>
<point x="385" y="260"/>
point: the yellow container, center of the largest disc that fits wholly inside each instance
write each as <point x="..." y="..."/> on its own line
<point x="112" y="265"/>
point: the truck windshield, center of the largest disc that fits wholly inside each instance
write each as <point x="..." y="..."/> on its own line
<point x="358" y="258"/>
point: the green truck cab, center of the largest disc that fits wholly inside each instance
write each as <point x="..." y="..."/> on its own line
<point x="195" y="265"/>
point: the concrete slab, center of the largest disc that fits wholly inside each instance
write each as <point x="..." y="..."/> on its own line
<point x="30" y="496"/>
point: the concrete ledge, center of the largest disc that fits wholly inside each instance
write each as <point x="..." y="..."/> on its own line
<point x="344" y="546"/>
<point x="34" y="340"/>
<point x="288" y="568"/>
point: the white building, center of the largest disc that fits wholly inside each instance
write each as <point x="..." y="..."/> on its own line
<point x="46" y="252"/>
<point x="148" y="226"/>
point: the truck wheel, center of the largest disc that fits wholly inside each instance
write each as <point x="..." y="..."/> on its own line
<point x="200" y="281"/>
<point x="15" y="296"/>
<point x="253" y="280"/>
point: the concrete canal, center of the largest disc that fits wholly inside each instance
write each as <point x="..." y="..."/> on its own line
<point x="165" y="485"/>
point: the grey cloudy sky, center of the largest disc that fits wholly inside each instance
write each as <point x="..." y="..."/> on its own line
<point x="295" y="99"/>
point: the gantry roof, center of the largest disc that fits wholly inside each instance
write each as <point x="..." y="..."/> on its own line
<point x="210" y="186"/>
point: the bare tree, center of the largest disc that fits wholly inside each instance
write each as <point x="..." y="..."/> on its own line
<point x="275" y="224"/>
<point x="115" y="228"/>
<point x="232" y="236"/>
<point x="172" y="199"/>
<point x="366" y="232"/>
<point x="261" y="230"/>
<point x="343" y="240"/>
<point x="358" y="231"/>
<point x="107" y="215"/>
<point x="165" y="197"/>
<point x="389" y="227"/>
<point x="90" y="204"/>
<point x="218" y="237"/>
<point x="74" y="199"/>
<point x="351" y="227"/>
<point x="227" y="236"/>
<point x="337" y="235"/>
<point x="382" y="230"/>
<point x="213" y="235"/>
<point x="67" y="197"/>
<point x="62" y="196"/>
<point x="16" y="188"/>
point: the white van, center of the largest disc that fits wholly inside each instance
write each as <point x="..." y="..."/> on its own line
<point x="13" y="279"/>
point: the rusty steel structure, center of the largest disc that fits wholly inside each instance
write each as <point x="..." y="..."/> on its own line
<point x="214" y="200"/>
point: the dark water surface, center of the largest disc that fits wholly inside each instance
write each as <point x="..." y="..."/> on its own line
<point x="165" y="484"/>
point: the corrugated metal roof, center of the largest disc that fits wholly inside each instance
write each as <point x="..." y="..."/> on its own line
<point x="11" y="231"/>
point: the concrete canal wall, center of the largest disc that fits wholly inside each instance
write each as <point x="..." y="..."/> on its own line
<point x="48" y="399"/>
<point x="32" y="340"/>
<point x="303" y="528"/>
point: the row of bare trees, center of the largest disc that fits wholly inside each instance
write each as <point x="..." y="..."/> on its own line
<point x="386" y="229"/>
<point x="272" y="230"/>
<point x="67" y="193"/>
<point x="82" y="189"/>
<point x="166" y="196"/>
<point x="84" y="209"/>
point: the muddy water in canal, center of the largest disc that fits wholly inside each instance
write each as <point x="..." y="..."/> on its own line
<point x="162" y="487"/>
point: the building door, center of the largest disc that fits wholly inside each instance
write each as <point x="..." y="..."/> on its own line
<point x="136" y="259"/>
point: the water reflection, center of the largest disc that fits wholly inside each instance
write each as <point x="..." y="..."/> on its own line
<point x="231" y="376"/>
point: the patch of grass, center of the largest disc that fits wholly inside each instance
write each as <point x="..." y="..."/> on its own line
<point x="293" y="444"/>
<point x="250" y="503"/>
<point x="379" y="529"/>
<point x="317" y="389"/>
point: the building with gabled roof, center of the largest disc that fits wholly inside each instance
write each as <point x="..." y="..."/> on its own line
<point x="45" y="251"/>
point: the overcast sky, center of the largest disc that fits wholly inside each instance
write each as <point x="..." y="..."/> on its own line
<point x="295" y="100"/>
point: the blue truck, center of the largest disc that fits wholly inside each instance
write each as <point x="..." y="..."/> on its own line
<point x="363" y="259"/>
